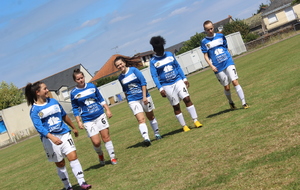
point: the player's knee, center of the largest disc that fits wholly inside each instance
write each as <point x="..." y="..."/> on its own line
<point x="176" y="108"/>
<point x="187" y="100"/>
<point x="235" y="82"/>
<point x="60" y="164"/>
<point x="106" y="139"/>
<point x="97" y="143"/>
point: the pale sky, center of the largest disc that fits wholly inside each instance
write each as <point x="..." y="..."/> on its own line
<point x="42" y="37"/>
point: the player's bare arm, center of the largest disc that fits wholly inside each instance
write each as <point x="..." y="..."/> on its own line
<point x="108" y="112"/>
<point x="210" y="63"/>
<point x="145" y="100"/>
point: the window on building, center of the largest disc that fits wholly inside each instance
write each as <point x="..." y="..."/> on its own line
<point x="272" y="18"/>
<point x="290" y="14"/>
<point x="65" y="94"/>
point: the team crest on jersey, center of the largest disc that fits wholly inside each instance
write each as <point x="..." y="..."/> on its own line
<point x="41" y="114"/>
<point x="207" y="45"/>
<point x="78" y="96"/>
<point x="157" y="64"/>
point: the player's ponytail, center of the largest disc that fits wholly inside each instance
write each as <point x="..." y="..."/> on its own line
<point x="129" y="61"/>
<point x="30" y="92"/>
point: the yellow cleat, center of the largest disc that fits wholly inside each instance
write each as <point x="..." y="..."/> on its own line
<point x="246" y="106"/>
<point x="197" y="124"/>
<point x="186" y="128"/>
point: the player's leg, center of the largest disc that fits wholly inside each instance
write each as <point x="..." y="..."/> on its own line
<point x="154" y="124"/>
<point x="63" y="174"/>
<point x="54" y="154"/>
<point x="143" y="128"/>
<point x="192" y="111"/>
<point x="96" y="141"/>
<point x="224" y="81"/>
<point x="148" y="109"/>
<point x="183" y="94"/>
<point x="69" y="150"/>
<point x="137" y="110"/>
<point x="174" y="101"/>
<point x="109" y="145"/>
<point x="93" y="133"/>
<point x="103" y="128"/>
<point x="180" y="118"/>
<point x="77" y="170"/>
<point x="232" y="74"/>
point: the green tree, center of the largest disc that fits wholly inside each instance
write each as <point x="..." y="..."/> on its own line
<point x="295" y="2"/>
<point x="10" y="95"/>
<point x="105" y="80"/>
<point x="192" y="43"/>
<point x="239" y="26"/>
<point x="260" y="8"/>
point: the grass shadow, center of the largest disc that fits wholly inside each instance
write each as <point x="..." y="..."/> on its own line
<point x="221" y="112"/>
<point x="74" y="187"/>
<point x="172" y="132"/>
<point x="97" y="166"/>
<point x="141" y="144"/>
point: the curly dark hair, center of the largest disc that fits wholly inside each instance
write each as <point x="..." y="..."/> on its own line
<point x="157" y="41"/>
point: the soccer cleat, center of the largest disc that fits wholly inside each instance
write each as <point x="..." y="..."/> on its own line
<point x="101" y="160"/>
<point x="186" y="128"/>
<point x="113" y="161"/>
<point x="84" y="185"/>
<point x="197" y="124"/>
<point x="147" y="142"/>
<point x="232" y="106"/>
<point x="69" y="188"/>
<point x="157" y="136"/>
<point x="246" y="106"/>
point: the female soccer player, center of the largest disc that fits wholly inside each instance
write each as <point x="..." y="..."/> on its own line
<point x="216" y="54"/>
<point x="171" y="81"/>
<point x="134" y="86"/>
<point x="48" y="118"/>
<point x="88" y="104"/>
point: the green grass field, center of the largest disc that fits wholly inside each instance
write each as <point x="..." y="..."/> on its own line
<point x="257" y="148"/>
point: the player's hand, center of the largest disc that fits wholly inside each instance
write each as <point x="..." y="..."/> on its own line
<point x="187" y="84"/>
<point x="163" y="93"/>
<point x="145" y="100"/>
<point x="75" y="132"/>
<point x="109" y="114"/>
<point x="56" y="140"/>
<point x="214" y="69"/>
<point x="80" y="125"/>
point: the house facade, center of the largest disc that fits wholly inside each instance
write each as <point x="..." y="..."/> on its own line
<point x="280" y="14"/>
<point x="60" y="84"/>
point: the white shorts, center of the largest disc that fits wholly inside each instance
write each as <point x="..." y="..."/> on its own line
<point x="227" y="75"/>
<point x="56" y="153"/>
<point x="139" y="106"/>
<point x="176" y="92"/>
<point x="94" y="127"/>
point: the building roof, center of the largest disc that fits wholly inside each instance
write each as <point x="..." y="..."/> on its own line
<point x="254" y="21"/>
<point x="276" y="5"/>
<point x="222" y="23"/>
<point x="145" y="53"/>
<point x="109" y="69"/>
<point x="63" y="78"/>
<point x="175" y="48"/>
<point x="58" y="80"/>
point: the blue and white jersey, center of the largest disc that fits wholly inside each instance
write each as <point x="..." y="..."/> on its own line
<point x="216" y="47"/>
<point x="132" y="82"/>
<point x="165" y="70"/>
<point x="47" y="118"/>
<point x="87" y="102"/>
